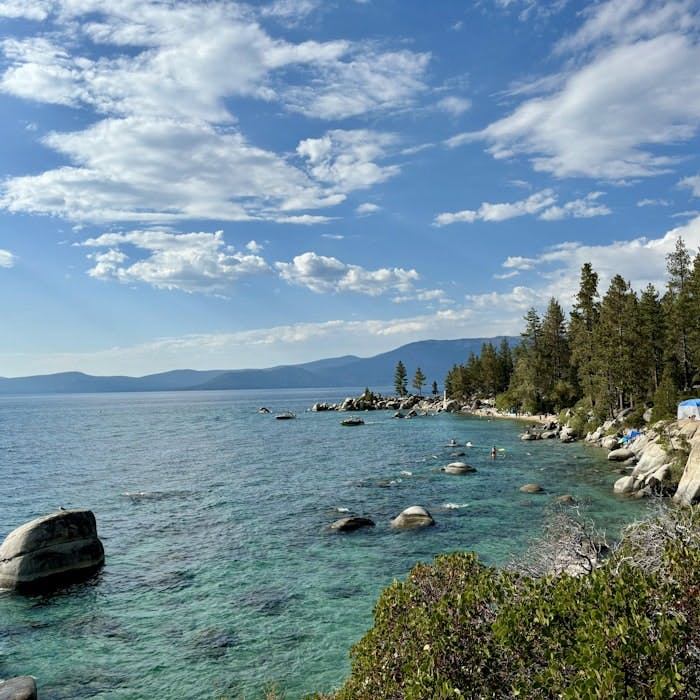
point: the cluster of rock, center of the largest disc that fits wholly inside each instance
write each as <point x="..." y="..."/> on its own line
<point x="413" y="404"/>
<point x="646" y="458"/>
<point x="411" y="517"/>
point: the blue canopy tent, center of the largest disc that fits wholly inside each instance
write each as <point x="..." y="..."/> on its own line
<point x="689" y="409"/>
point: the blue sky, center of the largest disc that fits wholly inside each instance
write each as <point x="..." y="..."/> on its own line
<point x="228" y="185"/>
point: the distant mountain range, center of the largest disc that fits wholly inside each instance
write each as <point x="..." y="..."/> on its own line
<point x="434" y="357"/>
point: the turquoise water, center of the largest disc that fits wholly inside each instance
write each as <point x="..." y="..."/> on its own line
<point x="223" y="577"/>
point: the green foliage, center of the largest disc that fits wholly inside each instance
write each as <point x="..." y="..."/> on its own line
<point x="458" y="628"/>
<point x="400" y="379"/>
<point x="418" y="380"/>
<point x="636" y="418"/>
<point x="623" y="351"/>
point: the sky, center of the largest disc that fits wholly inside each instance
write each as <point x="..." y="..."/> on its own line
<point x="209" y="184"/>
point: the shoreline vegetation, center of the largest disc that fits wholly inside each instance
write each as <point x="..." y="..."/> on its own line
<point x="576" y="617"/>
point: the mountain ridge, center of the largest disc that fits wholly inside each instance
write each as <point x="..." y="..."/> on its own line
<point x="434" y="357"/>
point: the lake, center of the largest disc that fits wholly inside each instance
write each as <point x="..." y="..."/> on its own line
<point x="221" y="575"/>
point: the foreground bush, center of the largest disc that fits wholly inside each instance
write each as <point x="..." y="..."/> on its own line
<point x="629" y="629"/>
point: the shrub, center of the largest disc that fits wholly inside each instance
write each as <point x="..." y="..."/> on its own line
<point x="461" y="629"/>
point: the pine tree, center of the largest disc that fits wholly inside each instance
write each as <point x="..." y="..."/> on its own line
<point x="678" y="303"/>
<point x="554" y="358"/>
<point x="418" y="380"/>
<point x="435" y="388"/>
<point x="652" y="331"/>
<point x="614" y="346"/>
<point x="583" y="320"/>
<point x="400" y="379"/>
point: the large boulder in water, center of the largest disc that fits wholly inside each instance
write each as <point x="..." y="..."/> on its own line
<point x="621" y="454"/>
<point x="415" y="516"/>
<point x="458" y="468"/>
<point x="19" y="688"/>
<point x="52" y="550"/>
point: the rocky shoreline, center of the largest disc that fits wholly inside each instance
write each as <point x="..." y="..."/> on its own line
<point x="659" y="459"/>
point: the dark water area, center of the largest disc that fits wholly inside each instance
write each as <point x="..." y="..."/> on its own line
<point x="221" y="575"/>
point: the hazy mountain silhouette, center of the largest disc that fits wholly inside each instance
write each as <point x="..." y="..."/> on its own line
<point x="434" y="357"/>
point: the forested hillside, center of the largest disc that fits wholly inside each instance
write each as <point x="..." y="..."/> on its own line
<point x="622" y="350"/>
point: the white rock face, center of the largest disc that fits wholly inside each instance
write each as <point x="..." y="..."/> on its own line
<point x="415" y="516"/>
<point x="627" y="485"/>
<point x="688" y="492"/>
<point x="52" y="549"/>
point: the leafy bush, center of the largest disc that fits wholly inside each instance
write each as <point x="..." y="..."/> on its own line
<point x="461" y="629"/>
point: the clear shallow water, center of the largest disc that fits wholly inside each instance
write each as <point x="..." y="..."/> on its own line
<point x="223" y="577"/>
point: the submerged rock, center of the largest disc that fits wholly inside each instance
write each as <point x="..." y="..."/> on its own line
<point x="531" y="488"/>
<point x="415" y="516"/>
<point x="52" y="550"/>
<point x="19" y="688"/>
<point x="352" y="522"/>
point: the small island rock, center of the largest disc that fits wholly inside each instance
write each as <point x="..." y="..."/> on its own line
<point x="415" y="516"/>
<point x="49" y="551"/>
<point x="18" y="688"/>
<point x="458" y="468"/>
<point x="350" y="523"/>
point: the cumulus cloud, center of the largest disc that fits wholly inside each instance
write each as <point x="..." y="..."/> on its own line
<point x="616" y="107"/>
<point x="543" y="204"/>
<point x="324" y="274"/>
<point x="367" y="208"/>
<point x="189" y="262"/>
<point x="133" y="170"/>
<point x="158" y="79"/>
<point x="7" y="259"/>
<point x="346" y="159"/>
<point x="641" y="261"/>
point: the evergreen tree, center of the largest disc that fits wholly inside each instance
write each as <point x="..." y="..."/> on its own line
<point x="489" y="380"/>
<point x="400" y="379"/>
<point x="614" y="344"/>
<point x="435" y="389"/>
<point x="418" y="380"/>
<point x="584" y="317"/>
<point x="678" y="303"/>
<point x="652" y="330"/>
<point x="505" y="361"/>
<point x="554" y="359"/>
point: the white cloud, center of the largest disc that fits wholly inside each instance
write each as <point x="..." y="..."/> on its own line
<point x="323" y="274"/>
<point x="648" y="202"/>
<point x="366" y="82"/>
<point x="189" y="262"/>
<point x="611" y="116"/>
<point x="35" y="10"/>
<point x="7" y="259"/>
<point x="133" y="170"/>
<point x="346" y="159"/>
<point x="159" y="76"/>
<point x="692" y="183"/>
<point x="577" y="209"/>
<point x="454" y="105"/>
<point x="367" y="208"/>
<point x="541" y="203"/>
<point x="629" y="20"/>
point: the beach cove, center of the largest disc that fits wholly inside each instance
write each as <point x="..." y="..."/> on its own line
<point x="221" y="574"/>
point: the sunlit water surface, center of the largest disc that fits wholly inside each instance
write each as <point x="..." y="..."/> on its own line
<point x="223" y="577"/>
